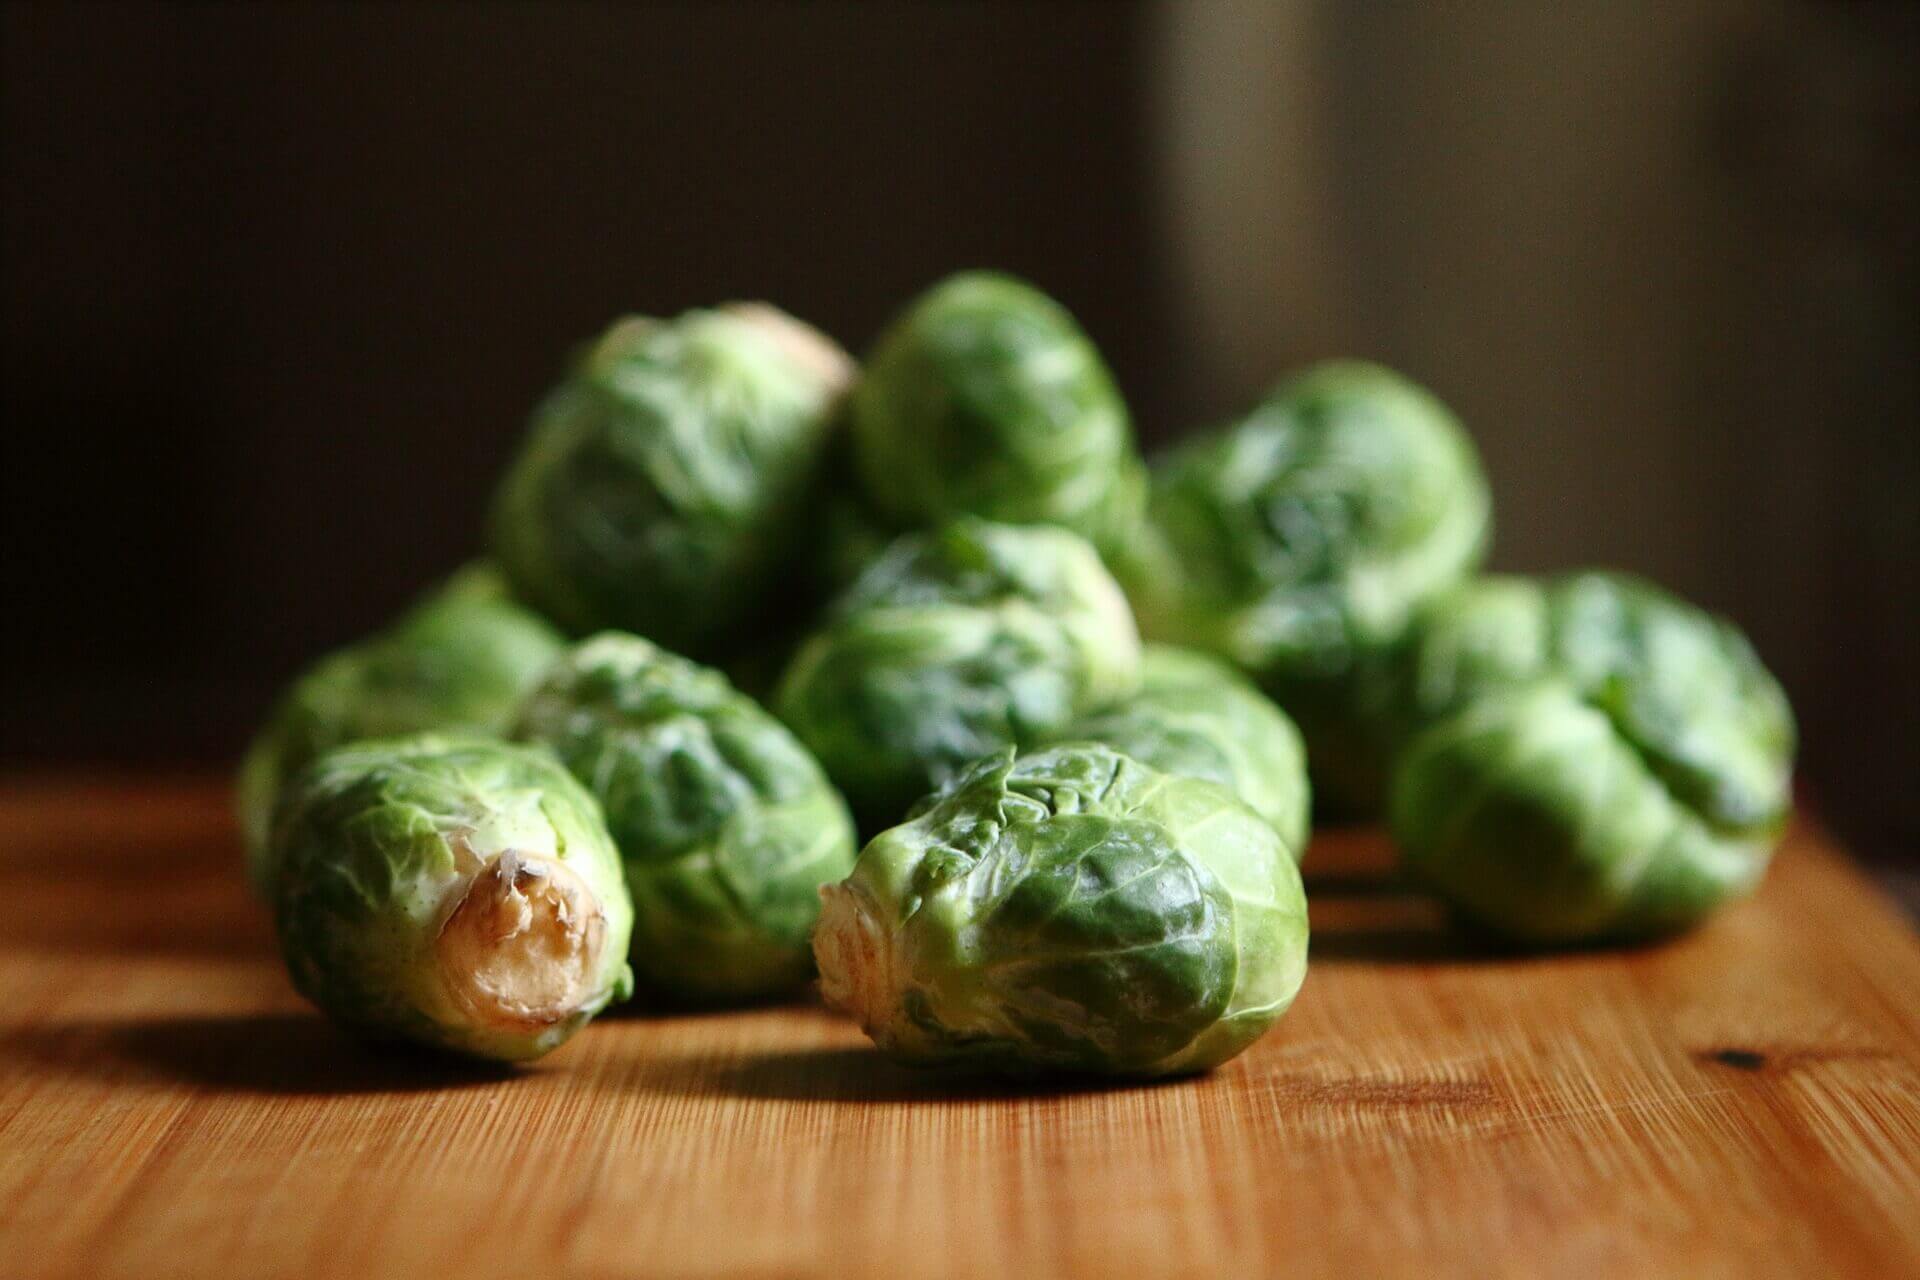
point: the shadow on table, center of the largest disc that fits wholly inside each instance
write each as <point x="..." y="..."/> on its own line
<point x="275" y="1053"/>
<point x="1371" y="916"/>
<point x="653" y="1004"/>
<point x="1366" y="885"/>
<point x="850" y="1074"/>
<point x="1409" y="945"/>
<point x="1368" y="924"/>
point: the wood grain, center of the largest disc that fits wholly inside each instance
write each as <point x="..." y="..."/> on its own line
<point x="1742" y="1102"/>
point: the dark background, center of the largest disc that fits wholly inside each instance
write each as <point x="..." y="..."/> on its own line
<point x="281" y="282"/>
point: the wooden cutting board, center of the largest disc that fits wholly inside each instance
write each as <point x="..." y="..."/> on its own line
<point x="1742" y="1102"/>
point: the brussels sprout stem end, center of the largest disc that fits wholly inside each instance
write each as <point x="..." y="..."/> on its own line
<point x="520" y="946"/>
<point x="855" y="958"/>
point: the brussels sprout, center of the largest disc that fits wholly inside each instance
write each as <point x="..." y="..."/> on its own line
<point x="1298" y="542"/>
<point x="986" y="399"/>
<point x="460" y="660"/>
<point x="661" y="487"/>
<point x="952" y="645"/>
<point x="1600" y="760"/>
<point x="726" y="825"/>
<point x="1198" y="717"/>
<point x="1483" y="635"/>
<point x="452" y="890"/>
<point x="1072" y="910"/>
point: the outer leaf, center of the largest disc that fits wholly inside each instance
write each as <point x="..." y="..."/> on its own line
<point x="727" y="826"/>
<point x="954" y="644"/>
<point x="661" y="487"/>
<point x="1297" y="543"/>
<point x="1683" y="687"/>
<point x="1070" y="910"/>
<point x="1532" y="814"/>
<point x="1196" y="716"/>
<point x="986" y="399"/>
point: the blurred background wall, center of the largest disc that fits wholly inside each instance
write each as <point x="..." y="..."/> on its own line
<point x="281" y="282"/>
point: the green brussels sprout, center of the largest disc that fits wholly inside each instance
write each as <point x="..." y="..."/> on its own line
<point x="1198" y="717"/>
<point x="986" y="399"/>
<point x="954" y="644"/>
<point x="662" y="486"/>
<point x="726" y="825"/>
<point x="1298" y="542"/>
<point x="462" y="659"/>
<point x="1600" y="760"/>
<point x="1482" y="635"/>
<point x="1069" y="910"/>
<point x="455" y="891"/>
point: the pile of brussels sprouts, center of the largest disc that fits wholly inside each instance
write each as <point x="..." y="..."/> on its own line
<point x="745" y="603"/>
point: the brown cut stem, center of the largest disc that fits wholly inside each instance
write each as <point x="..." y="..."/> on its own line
<point x="520" y="948"/>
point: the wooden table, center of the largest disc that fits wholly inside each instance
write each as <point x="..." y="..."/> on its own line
<point x="1743" y="1102"/>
